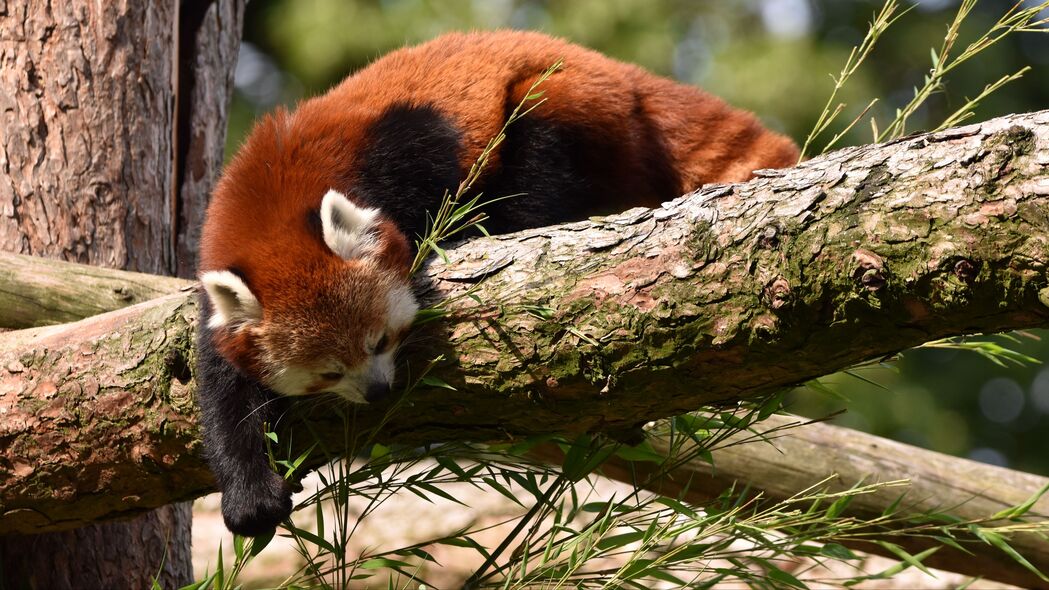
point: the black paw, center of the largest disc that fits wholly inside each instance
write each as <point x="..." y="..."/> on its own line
<point x="258" y="507"/>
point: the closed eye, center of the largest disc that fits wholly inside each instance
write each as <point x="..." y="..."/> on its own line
<point x="333" y="376"/>
<point x="382" y="344"/>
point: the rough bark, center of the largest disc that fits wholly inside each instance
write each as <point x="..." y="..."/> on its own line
<point x="87" y="90"/>
<point x="114" y="117"/>
<point x="105" y="430"/>
<point x="209" y="37"/>
<point x="103" y="556"/>
<point x="107" y="93"/>
<point x="730" y="292"/>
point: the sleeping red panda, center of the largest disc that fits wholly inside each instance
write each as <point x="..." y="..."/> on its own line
<point x="307" y="243"/>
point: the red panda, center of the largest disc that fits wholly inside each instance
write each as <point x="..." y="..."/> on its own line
<point x="307" y="242"/>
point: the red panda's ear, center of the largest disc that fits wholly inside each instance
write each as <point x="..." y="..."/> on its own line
<point x="401" y="307"/>
<point x="233" y="302"/>
<point x="349" y="230"/>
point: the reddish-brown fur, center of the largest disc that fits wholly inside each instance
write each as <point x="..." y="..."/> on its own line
<point x="255" y="220"/>
<point x="610" y="136"/>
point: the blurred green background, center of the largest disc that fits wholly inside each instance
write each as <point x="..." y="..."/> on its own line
<point x="774" y="57"/>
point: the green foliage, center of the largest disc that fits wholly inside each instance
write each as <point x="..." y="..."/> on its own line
<point x="568" y="539"/>
<point x="944" y="61"/>
<point x="886" y="17"/>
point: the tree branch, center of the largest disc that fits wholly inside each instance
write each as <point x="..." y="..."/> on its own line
<point x="741" y="290"/>
<point x="600" y="325"/>
<point x="38" y="291"/>
<point x="796" y="458"/>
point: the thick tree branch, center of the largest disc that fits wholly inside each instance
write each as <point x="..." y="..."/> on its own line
<point x="734" y="291"/>
<point x="38" y="291"/>
<point x="745" y="289"/>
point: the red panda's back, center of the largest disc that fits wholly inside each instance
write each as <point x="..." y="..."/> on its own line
<point x="474" y="80"/>
<point x="475" y="77"/>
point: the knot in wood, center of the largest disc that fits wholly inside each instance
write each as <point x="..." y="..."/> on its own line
<point x="872" y="279"/>
<point x="965" y="270"/>
<point x="123" y="293"/>
<point x="769" y="238"/>
<point x="178" y="366"/>
<point x="778" y="294"/>
<point x="868" y="270"/>
<point x="765" y="327"/>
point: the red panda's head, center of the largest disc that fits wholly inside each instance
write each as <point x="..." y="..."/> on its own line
<point x="335" y="322"/>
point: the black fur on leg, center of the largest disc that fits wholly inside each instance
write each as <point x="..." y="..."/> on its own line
<point x="234" y="409"/>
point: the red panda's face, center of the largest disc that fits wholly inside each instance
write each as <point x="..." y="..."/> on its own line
<point x="343" y="341"/>
<point x="340" y="332"/>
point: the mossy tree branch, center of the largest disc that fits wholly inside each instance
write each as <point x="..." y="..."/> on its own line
<point x="741" y="290"/>
<point x="601" y="325"/>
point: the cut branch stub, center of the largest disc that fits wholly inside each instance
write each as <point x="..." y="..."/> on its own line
<point x="869" y="270"/>
<point x="778" y="294"/>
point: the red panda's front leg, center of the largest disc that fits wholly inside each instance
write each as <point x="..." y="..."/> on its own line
<point x="331" y="325"/>
<point x="234" y="411"/>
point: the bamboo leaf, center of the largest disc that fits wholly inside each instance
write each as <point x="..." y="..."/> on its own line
<point x="995" y="539"/>
<point x="1020" y="510"/>
<point x="260" y="542"/>
<point x="912" y="560"/>
<point x="435" y="382"/>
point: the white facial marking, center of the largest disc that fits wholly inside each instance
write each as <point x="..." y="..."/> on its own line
<point x="348" y="229"/>
<point x="350" y="388"/>
<point x="296" y="381"/>
<point x="400" y="306"/>
<point x="232" y="300"/>
<point x="290" y="381"/>
<point x="382" y="368"/>
<point x="352" y="393"/>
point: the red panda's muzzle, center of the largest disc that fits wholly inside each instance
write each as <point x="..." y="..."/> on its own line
<point x="377" y="391"/>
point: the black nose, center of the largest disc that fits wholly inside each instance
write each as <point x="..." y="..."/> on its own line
<point x="377" y="391"/>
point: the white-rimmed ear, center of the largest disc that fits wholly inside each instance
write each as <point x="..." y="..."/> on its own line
<point x="348" y="229"/>
<point x="232" y="300"/>
<point x="400" y="307"/>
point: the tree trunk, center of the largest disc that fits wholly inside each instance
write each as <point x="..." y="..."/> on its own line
<point x="114" y="121"/>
